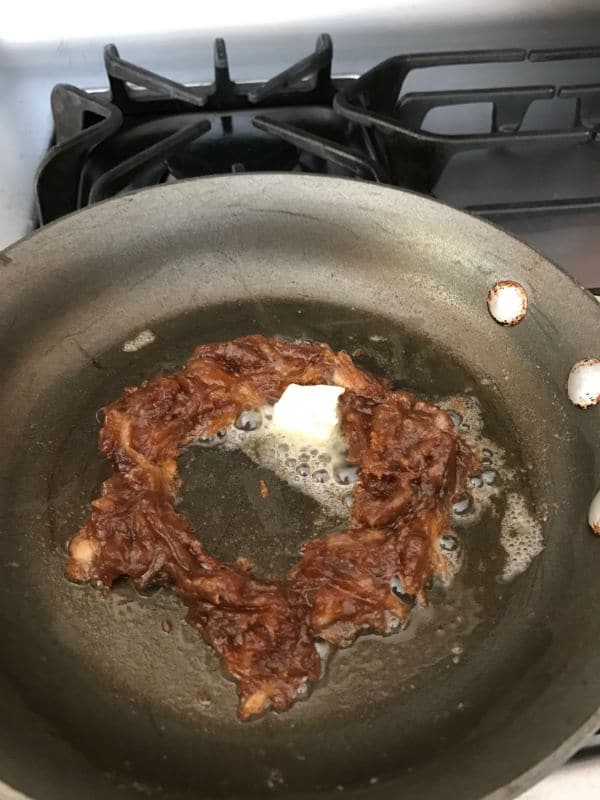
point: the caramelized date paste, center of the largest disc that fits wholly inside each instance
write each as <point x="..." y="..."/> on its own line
<point x="412" y="463"/>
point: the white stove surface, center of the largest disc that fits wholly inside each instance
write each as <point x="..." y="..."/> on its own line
<point x="577" y="779"/>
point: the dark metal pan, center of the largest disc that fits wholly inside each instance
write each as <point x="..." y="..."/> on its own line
<point x="487" y="690"/>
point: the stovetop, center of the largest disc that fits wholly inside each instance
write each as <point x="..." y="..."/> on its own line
<point x="508" y="134"/>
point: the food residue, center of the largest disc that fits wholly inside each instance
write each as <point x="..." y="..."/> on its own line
<point x="410" y="463"/>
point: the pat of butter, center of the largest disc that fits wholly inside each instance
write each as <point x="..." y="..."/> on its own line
<point x="307" y="412"/>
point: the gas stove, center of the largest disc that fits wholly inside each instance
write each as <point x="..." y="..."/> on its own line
<point x="507" y="134"/>
<point x="510" y="135"/>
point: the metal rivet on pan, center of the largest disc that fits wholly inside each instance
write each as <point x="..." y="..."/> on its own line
<point x="583" y="386"/>
<point x="507" y="302"/>
<point x="594" y="514"/>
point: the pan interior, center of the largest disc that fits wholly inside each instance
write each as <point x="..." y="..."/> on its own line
<point x="135" y="690"/>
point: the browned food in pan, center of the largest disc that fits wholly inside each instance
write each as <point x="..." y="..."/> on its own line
<point x="411" y="461"/>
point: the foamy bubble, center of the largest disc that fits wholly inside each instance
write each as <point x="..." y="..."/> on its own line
<point x="520" y="532"/>
<point x="452" y="551"/>
<point x="463" y="505"/>
<point x="323" y="473"/>
<point x="309" y="469"/>
<point x="398" y="589"/>
<point x="321" y="476"/>
<point x="206" y="441"/>
<point x="392" y="623"/>
<point x="520" y="536"/>
<point x="249" y="420"/>
<point x="467" y="414"/>
<point x="346" y="474"/>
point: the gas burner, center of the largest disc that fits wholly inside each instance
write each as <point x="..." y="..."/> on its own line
<point x="507" y="145"/>
<point x="149" y="129"/>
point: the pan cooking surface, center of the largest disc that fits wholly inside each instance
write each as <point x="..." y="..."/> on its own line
<point x="492" y="679"/>
<point x="137" y="650"/>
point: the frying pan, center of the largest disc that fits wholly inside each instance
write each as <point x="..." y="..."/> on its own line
<point x="112" y="695"/>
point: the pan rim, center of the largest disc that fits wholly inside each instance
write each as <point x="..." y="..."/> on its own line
<point x="558" y="756"/>
<point x="5" y="254"/>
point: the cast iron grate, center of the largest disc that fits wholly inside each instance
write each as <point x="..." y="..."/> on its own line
<point x="148" y="129"/>
<point x="416" y="158"/>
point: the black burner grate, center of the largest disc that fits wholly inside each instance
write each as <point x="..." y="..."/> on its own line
<point x="416" y="158"/>
<point x="148" y="129"/>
